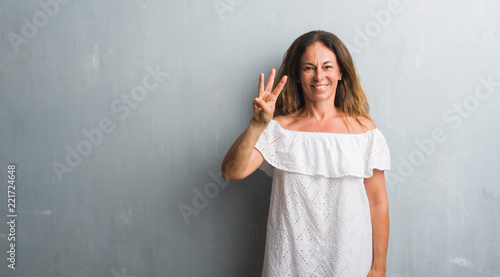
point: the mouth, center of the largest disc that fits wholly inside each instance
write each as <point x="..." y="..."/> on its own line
<point x="319" y="87"/>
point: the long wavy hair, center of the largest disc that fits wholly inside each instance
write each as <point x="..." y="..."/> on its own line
<point x="349" y="96"/>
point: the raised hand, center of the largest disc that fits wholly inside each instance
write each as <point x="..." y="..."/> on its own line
<point x="264" y="105"/>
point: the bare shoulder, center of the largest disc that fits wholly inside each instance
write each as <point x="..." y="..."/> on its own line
<point x="280" y="118"/>
<point x="367" y="124"/>
<point x="285" y="120"/>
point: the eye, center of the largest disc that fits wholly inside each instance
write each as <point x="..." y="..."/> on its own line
<point x="328" y="67"/>
<point x="308" y="68"/>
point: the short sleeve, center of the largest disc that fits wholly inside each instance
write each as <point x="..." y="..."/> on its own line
<point x="377" y="155"/>
<point x="265" y="146"/>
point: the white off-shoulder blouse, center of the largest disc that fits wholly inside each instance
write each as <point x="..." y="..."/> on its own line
<point x="319" y="219"/>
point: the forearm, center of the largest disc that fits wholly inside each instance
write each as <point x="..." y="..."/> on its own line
<point x="238" y="156"/>
<point x="380" y="233"/>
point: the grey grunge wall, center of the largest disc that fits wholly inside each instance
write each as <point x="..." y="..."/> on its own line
<point x="116" y="116"/>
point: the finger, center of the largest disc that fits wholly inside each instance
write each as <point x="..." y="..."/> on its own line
<point x="280" y="86"/>
<point x="261" y="103"/>
<point x="254" y="106"/>
<point x="268" y="108"/>
<point x="270" y="82"/>
<point x="261" y="85"/>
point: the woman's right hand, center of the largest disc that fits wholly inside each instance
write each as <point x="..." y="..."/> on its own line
<point x="243" y="158"/>
<point x="264" y="105"/>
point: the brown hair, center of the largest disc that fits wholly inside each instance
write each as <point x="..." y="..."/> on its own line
<point x="349" y="96"/>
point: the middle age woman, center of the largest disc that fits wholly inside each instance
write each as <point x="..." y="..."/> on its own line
<point x="329" y="209"/>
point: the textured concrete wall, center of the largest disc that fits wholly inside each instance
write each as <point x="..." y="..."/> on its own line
<point x="117" y="114"/>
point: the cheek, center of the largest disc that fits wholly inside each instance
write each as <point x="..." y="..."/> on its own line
<point x="304" y="88"/>
<point x="335" y="74"/>
<point x="304" y="78"/>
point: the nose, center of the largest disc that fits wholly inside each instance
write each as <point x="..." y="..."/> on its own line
<point x="319" y="75"/>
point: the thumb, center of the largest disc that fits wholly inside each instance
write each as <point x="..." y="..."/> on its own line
<point x="267" y="107"/>
<point x="257" y="105"/>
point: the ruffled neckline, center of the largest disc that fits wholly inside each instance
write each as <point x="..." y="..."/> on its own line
<point x="331" y="155"/>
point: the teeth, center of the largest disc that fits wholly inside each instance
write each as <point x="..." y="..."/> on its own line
<point x="320" y="86"/>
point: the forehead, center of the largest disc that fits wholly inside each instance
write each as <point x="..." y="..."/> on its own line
<point x="317" y="52"/>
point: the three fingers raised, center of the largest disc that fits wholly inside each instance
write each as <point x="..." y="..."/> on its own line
<point x="269" y="85"/>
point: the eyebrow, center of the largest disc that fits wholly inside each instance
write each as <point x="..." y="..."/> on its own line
<point x="323" y="63"/>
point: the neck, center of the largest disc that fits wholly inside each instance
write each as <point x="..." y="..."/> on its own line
<point x="320" y="111"/>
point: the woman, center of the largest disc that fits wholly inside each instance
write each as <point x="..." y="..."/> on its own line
<point x="329" y="210"/>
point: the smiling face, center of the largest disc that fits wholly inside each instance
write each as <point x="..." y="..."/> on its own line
<point x="319" y="73"/>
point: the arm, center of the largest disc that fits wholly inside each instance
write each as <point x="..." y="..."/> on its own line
<point x="242" y="158"/>
<point x="379" y="211"/>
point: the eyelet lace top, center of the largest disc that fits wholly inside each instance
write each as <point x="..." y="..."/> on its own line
<point x="319" y="219"/>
